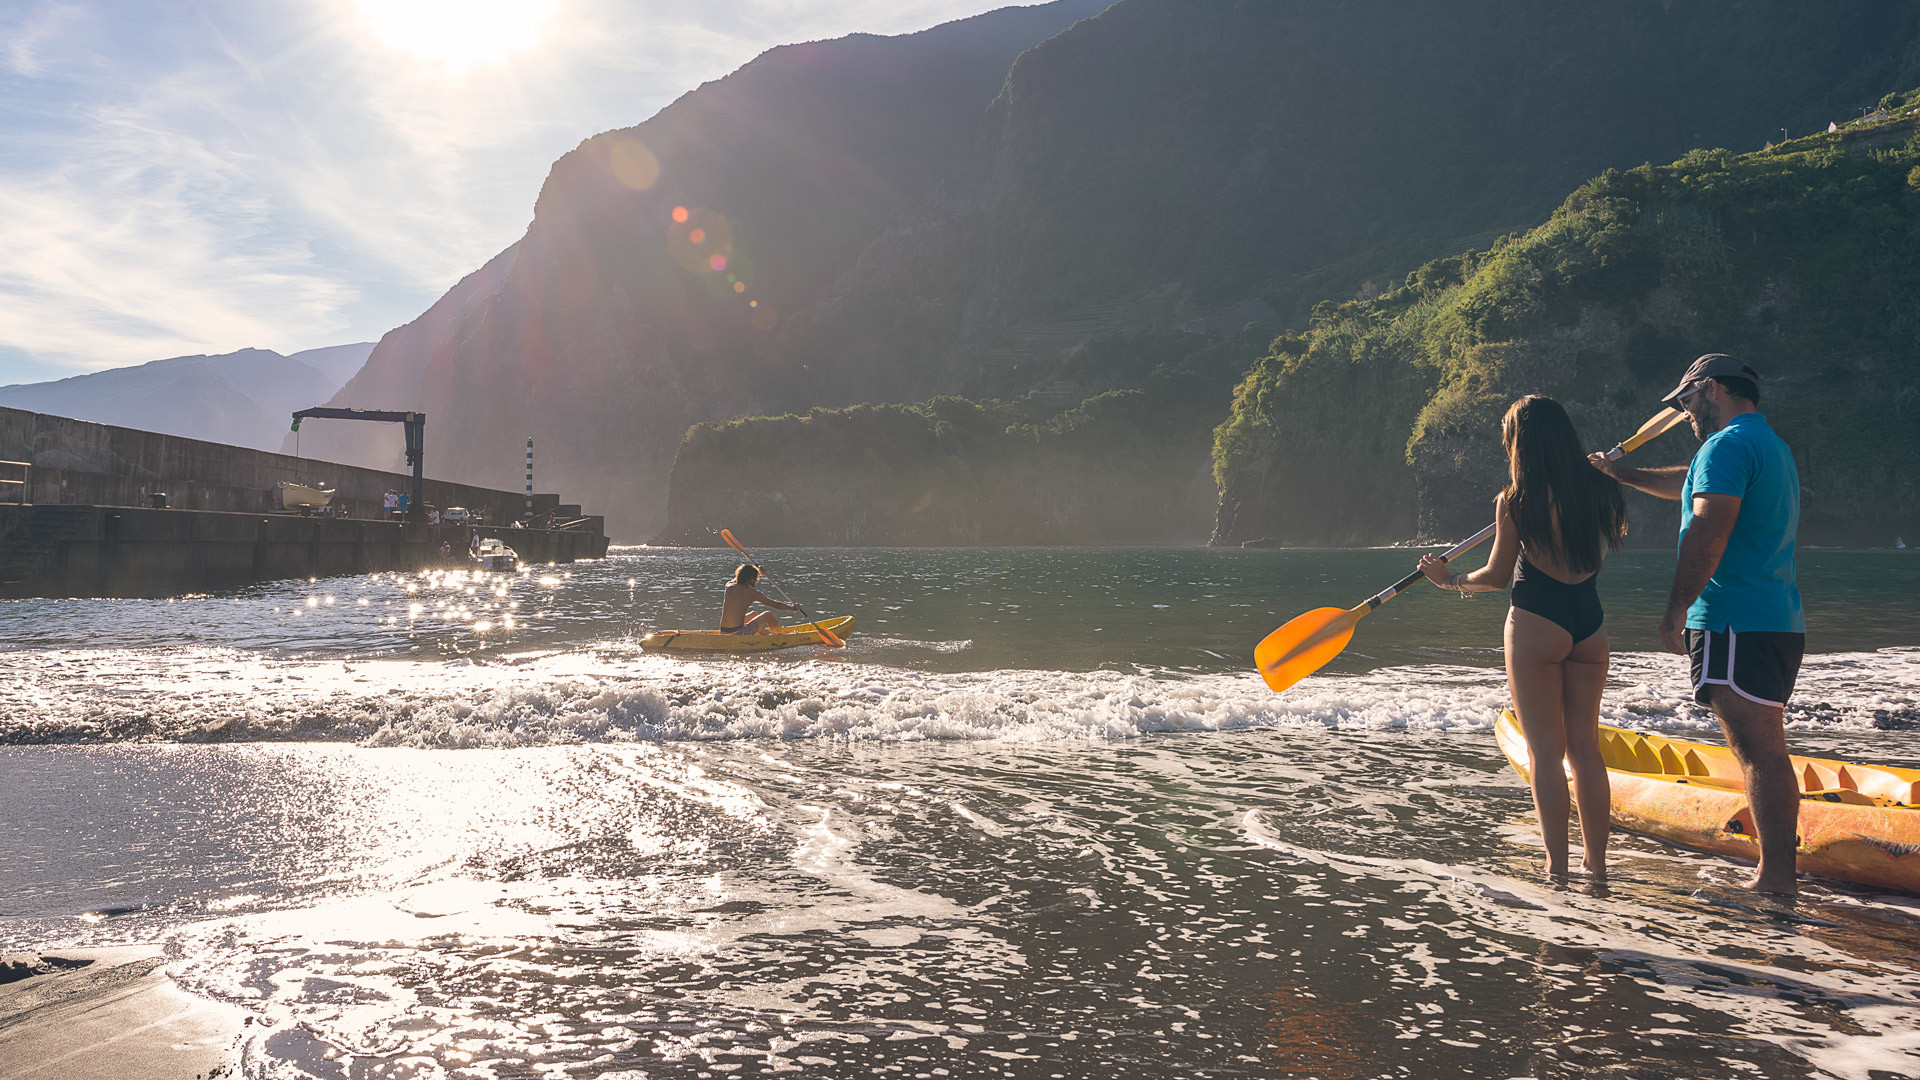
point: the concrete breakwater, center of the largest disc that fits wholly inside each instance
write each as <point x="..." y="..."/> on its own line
<point x="81" y="523"/>
<point x="136" y="551"/>
<point x="77" y="462"/>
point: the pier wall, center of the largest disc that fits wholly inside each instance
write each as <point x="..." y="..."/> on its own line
<point x="78" y="462"/>
<point x="135" y="551"/>
<point x="84" y="523"/>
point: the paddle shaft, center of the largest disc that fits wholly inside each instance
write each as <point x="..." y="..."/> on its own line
<point x="828" y="635"/>
<point x="1485" y="534"/>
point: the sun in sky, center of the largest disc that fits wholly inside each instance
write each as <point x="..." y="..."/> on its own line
<point x="457" y="33"/>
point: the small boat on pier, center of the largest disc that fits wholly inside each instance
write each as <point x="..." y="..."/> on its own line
<point x="302" y="497"/>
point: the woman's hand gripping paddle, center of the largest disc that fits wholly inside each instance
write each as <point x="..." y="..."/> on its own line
<point x="1305" y="645"/>
<point x="829" y="637"/>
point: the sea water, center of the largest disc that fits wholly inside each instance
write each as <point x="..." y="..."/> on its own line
<point x="1040" y="819"/>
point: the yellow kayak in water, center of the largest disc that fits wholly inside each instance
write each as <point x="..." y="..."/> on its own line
<point x="1858" y="823"/>
<point x="715" y="641"/>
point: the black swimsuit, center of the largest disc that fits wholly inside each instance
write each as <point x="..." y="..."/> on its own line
<point x="1574" y="608"/>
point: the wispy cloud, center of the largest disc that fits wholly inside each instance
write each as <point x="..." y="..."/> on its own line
<point x="139" y="239"/>
<point x="29" y="30"/>
<point x="199" y="178"/>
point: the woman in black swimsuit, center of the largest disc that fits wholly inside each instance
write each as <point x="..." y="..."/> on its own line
<point x="1557" y="519"/>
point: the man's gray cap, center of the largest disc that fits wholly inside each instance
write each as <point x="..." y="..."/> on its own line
<point x="1707" y="367"/>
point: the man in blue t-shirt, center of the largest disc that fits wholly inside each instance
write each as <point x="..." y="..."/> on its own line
<point x="1735" y="609"/>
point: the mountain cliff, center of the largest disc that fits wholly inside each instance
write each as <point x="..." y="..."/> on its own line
<point x="243" y="398"/>
<point x="958" y="211"/>
<point x="607" y="329"/>
<point x="1381" y="422"/>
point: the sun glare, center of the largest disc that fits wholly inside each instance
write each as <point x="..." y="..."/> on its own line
<point x="457" y="33"/>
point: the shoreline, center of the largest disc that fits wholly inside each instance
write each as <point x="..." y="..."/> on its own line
<point x="110" y="1013"/>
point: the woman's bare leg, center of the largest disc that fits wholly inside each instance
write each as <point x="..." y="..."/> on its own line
<point x="1535" y="649"/>
<point x="1584" y="679"/>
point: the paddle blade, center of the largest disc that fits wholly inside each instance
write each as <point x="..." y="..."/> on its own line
<point x="827" y="637"/>
<point x="1304" y="646"/>
<point x="1666" y="421"/>
<point x="727" y="535"/>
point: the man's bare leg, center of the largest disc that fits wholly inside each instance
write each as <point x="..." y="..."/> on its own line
<point x="1757" y="734"/>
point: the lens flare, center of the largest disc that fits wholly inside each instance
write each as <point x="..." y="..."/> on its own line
<point x="633" y="164"/>
<point x="701" y="244"/>
<point x="679" y="215"/>
<point x="739" y="286"/>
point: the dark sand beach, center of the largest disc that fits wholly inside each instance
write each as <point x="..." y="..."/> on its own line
<point x="110" y="1014"/>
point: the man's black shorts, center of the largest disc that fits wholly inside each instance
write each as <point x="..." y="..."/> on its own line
<point x="1760" y="665"/>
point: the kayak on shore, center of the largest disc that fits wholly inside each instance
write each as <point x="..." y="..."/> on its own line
<point x="715" y="641"/>
<point x="1858" y="823"/>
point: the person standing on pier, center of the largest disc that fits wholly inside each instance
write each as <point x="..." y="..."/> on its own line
<point x="1735" y="607"/>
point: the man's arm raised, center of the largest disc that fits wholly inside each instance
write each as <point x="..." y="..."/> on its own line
<point x="1713" y="518"/>
<point x="1664" y="482"/>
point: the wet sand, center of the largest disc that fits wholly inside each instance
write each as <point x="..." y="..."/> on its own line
<point x="78" y="1014"/>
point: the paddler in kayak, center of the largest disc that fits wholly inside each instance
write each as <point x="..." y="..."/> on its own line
<point x="740" y="596"/>
<point x="1555" y="523"/>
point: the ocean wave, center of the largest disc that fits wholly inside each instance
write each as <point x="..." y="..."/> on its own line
<point x="617" y="695"/>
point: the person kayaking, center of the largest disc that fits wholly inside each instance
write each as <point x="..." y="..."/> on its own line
<point x="740" y="596"/>
<point x="1554" y="524"/>
<point x="1734" y="610"/>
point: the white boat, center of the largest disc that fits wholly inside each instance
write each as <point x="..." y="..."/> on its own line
<point x="301" y="497"/>
<point x="491" y="554"/>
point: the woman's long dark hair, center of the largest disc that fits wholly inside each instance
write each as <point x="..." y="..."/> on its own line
<point x="1549" y="474"/>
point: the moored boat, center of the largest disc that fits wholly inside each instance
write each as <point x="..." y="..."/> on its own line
<point x="491" y="554"/>
<point x="715" y="641"/>
<point x="1858" y="823"/>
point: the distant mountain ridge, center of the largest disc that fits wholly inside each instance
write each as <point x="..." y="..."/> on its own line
<point x="966" y="209"/>
<point x="242" y="398"/>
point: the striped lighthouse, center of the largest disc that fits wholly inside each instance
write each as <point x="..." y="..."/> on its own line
<point x="529" y="478"/>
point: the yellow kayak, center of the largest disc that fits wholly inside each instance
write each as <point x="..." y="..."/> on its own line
<point x="715" y="641"/>
<point x="1858" y="823"/>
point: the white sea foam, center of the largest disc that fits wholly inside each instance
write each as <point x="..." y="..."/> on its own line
<point x="612" y="695"/>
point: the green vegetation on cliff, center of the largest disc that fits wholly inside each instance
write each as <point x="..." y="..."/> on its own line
<point x="1381" y="421"/>
<point x="1126" y="464"/>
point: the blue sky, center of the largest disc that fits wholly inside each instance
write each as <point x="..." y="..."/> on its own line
<point x="190" y="177"/>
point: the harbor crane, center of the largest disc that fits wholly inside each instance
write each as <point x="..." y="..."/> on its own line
<point x="415" y="424"/>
